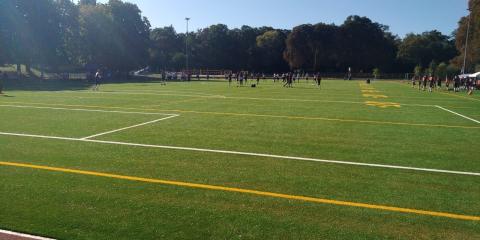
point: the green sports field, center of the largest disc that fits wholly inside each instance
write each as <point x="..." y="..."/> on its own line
<point x="202" y="160"/>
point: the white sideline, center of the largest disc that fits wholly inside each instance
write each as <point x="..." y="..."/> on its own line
<point x="458" y="114"/>
<point x="125" y="128"/>
<point x="248" y="154"/>
<point x="87" y="110"/>
<point x="23" y="235"/>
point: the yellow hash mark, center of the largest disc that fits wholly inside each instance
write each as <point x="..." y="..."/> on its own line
<point x="382" y="104"/>
<point x="376" y="96"/>
<point x="370" y="91"/>
<point x="264" y="115"/>
<point x="247" y="191"/>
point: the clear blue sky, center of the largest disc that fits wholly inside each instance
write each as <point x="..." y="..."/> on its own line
<point x="403" y="16"/>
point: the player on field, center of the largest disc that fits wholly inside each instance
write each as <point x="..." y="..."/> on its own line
<point x="229" y="79"/>
<point x="424" y="82"/>
<point x="432" y="83"/>
<point x="319" y="81"/>
<point x="2" y="79"/>
<point x="98" y="78"/>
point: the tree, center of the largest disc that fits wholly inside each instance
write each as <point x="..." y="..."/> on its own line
<point x="366" y="44"/>
<point x="431" y="68"/>
<point x="473" y="52"/>
<point x="418" y="70"/>
<point x="441" y="70"/>
<point x="421" y="49"/>
<point x="271" y="45"/>
<point x="88" y="2"/>
<point x="215" y="48"/>
<point x="376" y="73"/>
<point x="452" y="70"/>
<point x="299" y="47"/>
<point x="165" y="44"/>
<point x="358" y="43"/>
<point x="114" y="35"/>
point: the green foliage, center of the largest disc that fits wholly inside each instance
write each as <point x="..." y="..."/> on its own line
<point x="358" y="43"/>
<point x="114" y="35"/>
<point x="58" y="33"/>
<point x="473" y="52"/>
<point x="271" y="46"/>
<point x="452" y="70"/>
<point x="418" y="70"/>
<point x="87" y="2"/>
<point x="421" y="49"/>
<point x="376" y="73"/>
<point x="55" y="33"/>
<point x="431" y="68"/>
<point x="441" y="70"/>
<point x="165" y="43"/>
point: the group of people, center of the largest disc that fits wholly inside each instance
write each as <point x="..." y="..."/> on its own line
<point x="242" y="78"/>
<point x="3" y="77"/>
<point x="456" y="83"/>
<point x="287" y="78"/>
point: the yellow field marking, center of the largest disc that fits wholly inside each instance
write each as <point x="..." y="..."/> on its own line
<point x="376" y="96"/>
<point x="270" y="116"/>
<point x="370" y="91"/>
<point x="247" y="191"/>
<point x="382" y="104"/>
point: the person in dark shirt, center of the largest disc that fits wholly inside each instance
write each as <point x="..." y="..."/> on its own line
<point x="98" y="78"/>
<point x="3" y="77"/>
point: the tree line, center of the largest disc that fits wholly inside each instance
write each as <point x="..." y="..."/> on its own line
<point x="61" y="34"/>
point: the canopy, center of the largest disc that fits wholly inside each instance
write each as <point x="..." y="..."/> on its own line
<point x="474" y="75"/>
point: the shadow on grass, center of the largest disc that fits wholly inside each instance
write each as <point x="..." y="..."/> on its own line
<point x="32" y="84"/>
<point x="35" y="84"/>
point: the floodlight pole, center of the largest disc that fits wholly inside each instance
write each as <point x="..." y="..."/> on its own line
<point x="466" y="41"/>
<point x="186" y="46"/>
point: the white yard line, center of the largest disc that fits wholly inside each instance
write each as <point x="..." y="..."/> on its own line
<point x="87" y="110"/>
<point x="248" y="154"/>
<point x="125" y="128"/>
<point x="21" y="235"/>
<point x="458" y="114"/>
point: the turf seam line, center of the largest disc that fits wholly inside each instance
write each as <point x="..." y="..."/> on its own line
<point x="129" y="127"/>
<point x="23" y="235"/>
<point x="458" y="114"/>
<point x="248" y="154"/>
<point x="247" y="191"/>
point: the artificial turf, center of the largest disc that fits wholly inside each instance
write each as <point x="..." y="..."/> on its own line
<point x="332" y="123"/>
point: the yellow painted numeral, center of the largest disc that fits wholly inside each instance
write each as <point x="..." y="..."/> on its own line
<point x="383" y="104"/>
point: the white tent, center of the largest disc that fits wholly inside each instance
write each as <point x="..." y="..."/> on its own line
<point x="475" y="75"/>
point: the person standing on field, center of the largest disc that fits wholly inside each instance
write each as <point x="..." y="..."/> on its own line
<point x="98" y="78"/>
<point x="2" y="79"/>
